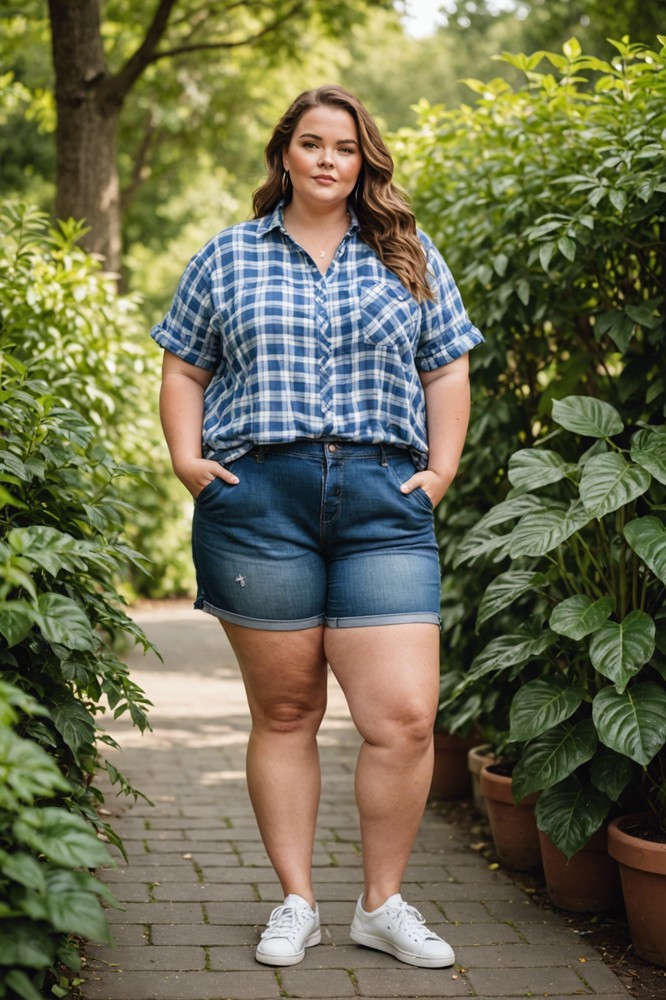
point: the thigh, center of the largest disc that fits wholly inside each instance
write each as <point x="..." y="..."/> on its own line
<point x="389" y="674"/>
<point x="284" y="673"/>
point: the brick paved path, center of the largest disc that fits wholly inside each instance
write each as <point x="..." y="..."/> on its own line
<point x="198" y="886"/>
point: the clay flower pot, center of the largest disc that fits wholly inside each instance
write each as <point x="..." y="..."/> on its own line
<point x="643" y="875"/>
<point x="450" y="777"/>
<point x="513" y="826"/>
<point x="476" y="757"/>
<point x="588" y="882"/>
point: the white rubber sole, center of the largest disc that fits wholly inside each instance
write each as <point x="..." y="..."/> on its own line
<point x="267" y="959"/>
<point x="381" y="944"/>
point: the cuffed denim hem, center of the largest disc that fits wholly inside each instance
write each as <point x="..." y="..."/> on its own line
<point x="266" y="624"/>
<point x="403" y="618"/>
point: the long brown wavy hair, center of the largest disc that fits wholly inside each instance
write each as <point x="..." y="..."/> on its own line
<point x="386" y="221"/>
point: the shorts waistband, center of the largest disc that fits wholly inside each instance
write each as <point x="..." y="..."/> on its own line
<point x="332" y="446"/>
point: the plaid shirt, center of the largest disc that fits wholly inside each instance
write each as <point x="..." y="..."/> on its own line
<point x="301" y="355"/>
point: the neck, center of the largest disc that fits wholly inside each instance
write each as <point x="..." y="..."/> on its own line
<point x="306" y="216"/>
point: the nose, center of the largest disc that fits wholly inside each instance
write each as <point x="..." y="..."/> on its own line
<point x="325" y="159"/>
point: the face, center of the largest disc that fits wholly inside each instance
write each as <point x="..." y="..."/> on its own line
<point x="323" y="157"/>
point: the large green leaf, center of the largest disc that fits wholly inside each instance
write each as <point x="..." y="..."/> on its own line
<point x="618" y="650"/>
<point x="22" y="986"/>
<point x="78" y="913"/>
<point x="609" y="482"/>
<point x="74" y="723"/>
<point x="508" y="510"/>
<point x="509" y="651"/>
<point x="648" y="449"/>
<point x="61" y="837"/>
<point x="588" y="416"/>
<point x="480" y="543"/>
<point x="577" y="616"/>
<point x="17" y="618"/>
<point x="553" y="756"/>
<point x="569" y="813"/>
<point x="632" y="723"/>
<point x="647" y="537"/>
<point x="25" y="943"/>
<point x="505" y="589"/>
<point x="533" y="468"/>
<point x="611" y="772"/>
<point x="63" y="621"/>
<point x="540" y="705"/>
<point x="24" y="869"/>
<point x="542" y="531"/>
<point x="46" y="547"/>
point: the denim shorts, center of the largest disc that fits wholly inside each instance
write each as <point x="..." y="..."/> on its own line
<point x="317" y="533"/>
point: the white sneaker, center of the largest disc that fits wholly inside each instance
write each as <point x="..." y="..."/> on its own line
<point x="399" y="929"/>
<point x="293" y="927"/>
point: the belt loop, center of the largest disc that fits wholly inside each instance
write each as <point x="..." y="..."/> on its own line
<point x="259" y="454"/>
<point x="382" y="449"/>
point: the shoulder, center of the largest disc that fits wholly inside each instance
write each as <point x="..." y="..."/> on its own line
<point x="227" y="247"/>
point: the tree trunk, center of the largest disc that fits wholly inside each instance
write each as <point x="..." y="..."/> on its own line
<point x="86" y="136"/>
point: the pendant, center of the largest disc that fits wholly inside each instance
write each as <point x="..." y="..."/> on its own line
<point x="322" y="254"/>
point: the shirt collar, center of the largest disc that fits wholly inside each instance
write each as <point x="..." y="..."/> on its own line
<point x="275" y="220"/>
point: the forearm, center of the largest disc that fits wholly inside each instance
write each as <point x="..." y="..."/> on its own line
<point x="447" y="413"/>
<point x="181" y="413"/>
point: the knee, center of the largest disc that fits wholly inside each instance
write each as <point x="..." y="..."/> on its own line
<point x="287" y="717"/>
<point x="410" y="727"/>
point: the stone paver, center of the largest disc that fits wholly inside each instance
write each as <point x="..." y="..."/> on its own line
<point x="198" y="887"/>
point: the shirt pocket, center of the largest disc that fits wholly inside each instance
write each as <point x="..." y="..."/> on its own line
<point x="390" y="314"/>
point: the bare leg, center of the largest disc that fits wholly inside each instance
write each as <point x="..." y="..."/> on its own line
<point x="285" y="680"/>
<point x="390" y="677"/>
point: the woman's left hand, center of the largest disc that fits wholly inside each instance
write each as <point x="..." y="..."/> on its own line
<point x="434" y="484"/>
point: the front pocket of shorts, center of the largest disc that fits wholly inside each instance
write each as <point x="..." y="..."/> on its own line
<point x="419" y="493"/>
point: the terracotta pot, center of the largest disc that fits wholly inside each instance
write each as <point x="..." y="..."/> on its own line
<point x="450" y="777"/>
<point x="643" y="875"/>
<point x="513" y="826"/>
<point x="476" y="757"/>
<point x="588" y="882"/>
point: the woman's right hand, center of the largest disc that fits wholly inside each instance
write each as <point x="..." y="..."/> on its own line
<point x="197" y="473"/>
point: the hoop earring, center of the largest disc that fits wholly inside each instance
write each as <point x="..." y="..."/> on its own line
<point x="285" y="181"/>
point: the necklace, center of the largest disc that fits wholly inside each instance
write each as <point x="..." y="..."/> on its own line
<point x="324" y="252"/>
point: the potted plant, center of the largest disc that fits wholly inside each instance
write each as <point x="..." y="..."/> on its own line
<point x="582" y="542"/>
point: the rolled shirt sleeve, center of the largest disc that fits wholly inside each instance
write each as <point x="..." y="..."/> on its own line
<point x="188" y="330"/>
<point x="446" y="330"/>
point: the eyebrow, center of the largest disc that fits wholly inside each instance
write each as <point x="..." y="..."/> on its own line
<point x="313" y="135"/>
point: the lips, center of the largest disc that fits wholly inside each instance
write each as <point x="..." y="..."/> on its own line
<point x="324" y="177"/>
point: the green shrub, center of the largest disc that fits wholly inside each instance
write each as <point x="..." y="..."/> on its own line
<point x="549" y="203"/>
<point x="62" y="551"/>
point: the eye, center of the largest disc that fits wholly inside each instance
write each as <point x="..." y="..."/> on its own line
<point x="309" y="145"/>
<point x="347" y="149"/>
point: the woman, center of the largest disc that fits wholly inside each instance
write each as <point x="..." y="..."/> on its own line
<point x="315" y="401"/>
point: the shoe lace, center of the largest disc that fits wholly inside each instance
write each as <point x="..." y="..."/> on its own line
<point x="407" y="918"/>
<point x="285" y="922"/>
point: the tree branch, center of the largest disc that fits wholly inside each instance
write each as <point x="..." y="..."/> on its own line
<point x="119" y="85"/>
<point x="211" y="46"/>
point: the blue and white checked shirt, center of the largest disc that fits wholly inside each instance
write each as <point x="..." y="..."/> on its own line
<point x="297" y="354"/>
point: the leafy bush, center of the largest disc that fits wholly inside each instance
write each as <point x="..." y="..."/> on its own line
<point x="45" y="896"/>
<point x="62" y="551"/>
<point x="584" y="539"/>
<point x="549" y="203"/>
